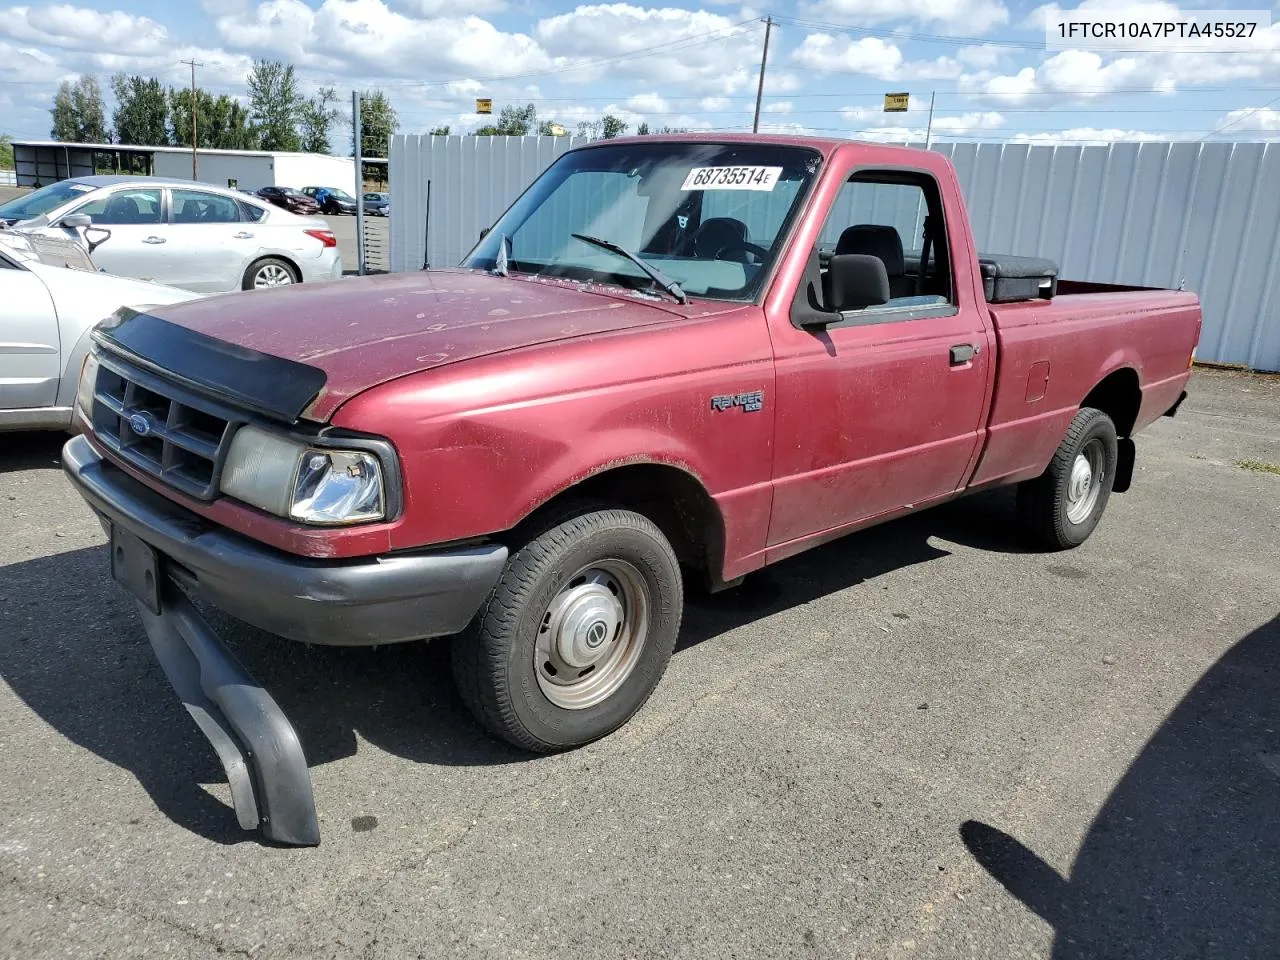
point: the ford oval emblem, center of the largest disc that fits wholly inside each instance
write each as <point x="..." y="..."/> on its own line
<point x="140" y="424"/>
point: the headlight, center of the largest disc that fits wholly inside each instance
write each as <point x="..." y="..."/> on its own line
<point x="311" y="484"/>
<point x="88" y="380"/>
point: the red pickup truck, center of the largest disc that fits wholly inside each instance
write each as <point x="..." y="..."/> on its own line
<point x="673" y="360"/>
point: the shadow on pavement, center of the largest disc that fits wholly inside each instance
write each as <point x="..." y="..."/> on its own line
<point x="79" y="658"/>
<point x="1183" y="860"/>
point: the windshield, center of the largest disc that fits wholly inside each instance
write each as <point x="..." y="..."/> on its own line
<point x="340" y="194"/>
<point x="710" y="216"/>
<point x="43" y="200"/>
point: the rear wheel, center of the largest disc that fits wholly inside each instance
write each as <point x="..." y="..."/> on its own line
<point x="576" y="634"/>
<point x="1060" y="508"/>
<point x="269" y="272"/>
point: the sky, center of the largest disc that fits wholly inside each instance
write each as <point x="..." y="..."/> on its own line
<point x="829" y="65"/>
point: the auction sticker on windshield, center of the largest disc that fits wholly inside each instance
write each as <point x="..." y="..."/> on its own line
<point x="732" y="178"/>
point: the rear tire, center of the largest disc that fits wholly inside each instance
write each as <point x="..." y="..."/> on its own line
<point x="576" y="634"/>
<point x="269" y="272"/>
<point x="1062" y="507"/>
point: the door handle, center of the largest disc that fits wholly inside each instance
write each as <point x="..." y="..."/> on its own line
<point x="963" y="353"/>
<point x="153" y="240"/>
<point x="242" y="235"/>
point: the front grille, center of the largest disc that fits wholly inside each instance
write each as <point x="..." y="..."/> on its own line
<point x="161" y="428"/>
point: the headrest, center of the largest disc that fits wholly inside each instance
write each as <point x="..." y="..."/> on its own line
<point x="716" y="234"/>
<point x="877" y="241"/>
<point x="857" y="280"/>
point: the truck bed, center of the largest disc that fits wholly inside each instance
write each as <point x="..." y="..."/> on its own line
<point x="1052" y="351"/>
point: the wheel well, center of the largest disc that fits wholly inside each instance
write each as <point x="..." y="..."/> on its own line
<point x="1119" y="397"/>
<point x="674" y="500"/>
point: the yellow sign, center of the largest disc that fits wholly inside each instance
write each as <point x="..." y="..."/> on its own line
<point x="896" y="102"/>
<point x="484" y="105"/>
<point x="557" y="130"/>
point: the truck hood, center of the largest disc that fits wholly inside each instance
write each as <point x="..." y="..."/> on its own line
<point x="361" y="332"/>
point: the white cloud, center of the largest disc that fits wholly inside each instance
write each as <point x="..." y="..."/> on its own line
<point x="982" y="57"/>
<point x="1258" y="121"/>
<point x="914" y="124"/>
<point x="723" y="63"/>
<point x="75" y="28"/>
<point x="368" y="37"/>
<point x="1087" y="135"/>
<point x="437" y="8"/>
<point x="778" y="106"/>
<point x="957" y="17"/>
<point x="648" y="103"/>
<point x="715" y="104"/>
<point x="786" y="129"/>
<point x="871" y="56"/>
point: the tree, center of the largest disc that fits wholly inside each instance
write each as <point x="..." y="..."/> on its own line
<point x="642" y="130"/>
<point x="275" y="104"/>
<point x="612" y="126"/>
<point x="142" y="111"/>
<point x="222" y="122"/>
<point x="590" y="129"/>
<point x="6" y="152"/>
<point x="316" y="118"/>
<point x="512" y="122"/>
<point x="378" y="122"/>
<point x="440" y="131"/>
<point x="229" y="126"/>
<point x="79" y="115"/>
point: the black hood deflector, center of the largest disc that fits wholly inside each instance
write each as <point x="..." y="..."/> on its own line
<point x="265" y="384"/>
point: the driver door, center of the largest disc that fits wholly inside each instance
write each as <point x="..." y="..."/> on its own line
<point x="139" y="245"/>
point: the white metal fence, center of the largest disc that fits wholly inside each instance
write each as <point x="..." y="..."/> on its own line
<point x="1201" y="215"/>
<point x="8" y="178"/>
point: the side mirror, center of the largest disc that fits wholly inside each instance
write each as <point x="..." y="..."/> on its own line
<point x="485" y="232"/>
<point x="857" y="281"/>
<point x="76" y="221"/>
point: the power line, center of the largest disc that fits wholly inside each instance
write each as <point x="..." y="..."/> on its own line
<point x="1247" y="113"/>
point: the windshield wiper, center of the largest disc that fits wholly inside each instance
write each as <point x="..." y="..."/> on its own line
<point x="656" y="275"/>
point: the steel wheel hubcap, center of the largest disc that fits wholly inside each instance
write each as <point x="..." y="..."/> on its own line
<point x="1085" y="482"/>
<point x="272" y="275"/>
<point x="591" y="634"/>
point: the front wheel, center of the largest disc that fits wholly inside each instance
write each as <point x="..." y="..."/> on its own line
<point x="1060" y="508"/>
<point x="576" y="634"/>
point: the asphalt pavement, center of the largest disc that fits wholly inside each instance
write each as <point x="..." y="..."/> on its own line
<point x="920" y="741"/>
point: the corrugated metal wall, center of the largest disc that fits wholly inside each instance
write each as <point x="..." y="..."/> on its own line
<point x="1203" y="215"/>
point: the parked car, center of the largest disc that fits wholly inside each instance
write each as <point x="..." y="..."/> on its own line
<point x="686" y="358"/>
<point x="51" y="294"/>
<point x="191" y="235"/>
<point x="377" y="204"/>
<point x="331" y="199"/>
<point x="287" y="198"/>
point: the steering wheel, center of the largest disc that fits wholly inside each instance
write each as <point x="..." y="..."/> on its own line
<point x="746" y="246"/>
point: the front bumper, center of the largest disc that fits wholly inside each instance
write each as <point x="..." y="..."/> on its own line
<point x="337" y="602"/>
<point x="357" y="602"/>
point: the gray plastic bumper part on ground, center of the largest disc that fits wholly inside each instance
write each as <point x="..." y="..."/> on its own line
<point x="258" y="747"/>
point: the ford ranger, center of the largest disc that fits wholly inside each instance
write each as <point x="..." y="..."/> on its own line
<point x="672" y="361"/>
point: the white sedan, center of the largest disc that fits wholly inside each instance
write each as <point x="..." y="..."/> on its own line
<point x="183" y="233"/>
<point x="50" y="298"/>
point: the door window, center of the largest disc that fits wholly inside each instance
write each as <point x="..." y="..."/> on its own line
<point x="896" y="217"/>
<point x="125" y="207"/>
<point x="196" y="206"/>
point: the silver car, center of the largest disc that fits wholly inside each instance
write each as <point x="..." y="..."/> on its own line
<point x="51" y="296"/>
<point x="377" y="204"/>
<point x="182" y="233"/>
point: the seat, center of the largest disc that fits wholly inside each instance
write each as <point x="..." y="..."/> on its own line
<point x="192" y="212"/>
<point x="876" y="240"/>
<point x="122" y="210"/>
<point x="717" y="233"/>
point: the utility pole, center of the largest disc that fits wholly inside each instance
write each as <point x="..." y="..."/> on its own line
<point x="928" y="133"/>
<point x="764" y="59"/>
<point x="194" y="140"/>
<point x="358" y="151"/>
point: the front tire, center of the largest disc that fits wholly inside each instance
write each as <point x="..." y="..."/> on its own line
<point x="576" y="634"/>
<point x="1062" y="507"/>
